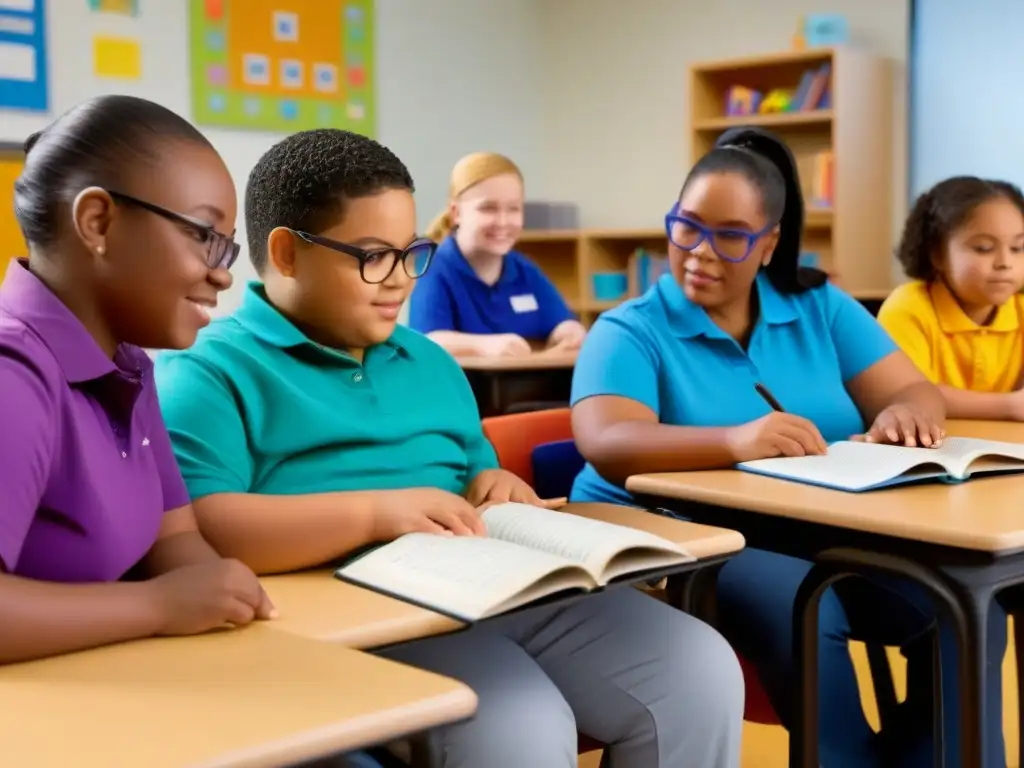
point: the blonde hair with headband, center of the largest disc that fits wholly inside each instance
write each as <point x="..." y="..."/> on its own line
<point x="468" y="172"/>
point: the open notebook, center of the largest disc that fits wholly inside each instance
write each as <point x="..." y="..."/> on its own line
<point x="529" y="554"/>
<point x="850" y="466"/>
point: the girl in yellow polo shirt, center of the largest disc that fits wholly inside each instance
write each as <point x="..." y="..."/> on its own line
<point x="961" y="319"/>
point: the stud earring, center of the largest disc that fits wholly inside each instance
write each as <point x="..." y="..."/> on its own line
<point x="100" y="249"/>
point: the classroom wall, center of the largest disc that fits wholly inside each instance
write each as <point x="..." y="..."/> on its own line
<point x="615" y="90"/>
<point x="446" y="84"/>
<point x="965" y="111"/>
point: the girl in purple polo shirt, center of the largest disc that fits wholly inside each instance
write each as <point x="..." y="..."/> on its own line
<point x="129" y="214"/>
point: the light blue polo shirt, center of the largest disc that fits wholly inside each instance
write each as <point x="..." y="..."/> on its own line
<point x="450" y="297"/>
<point x="664" y="351"/>
<point x="257" y="407"/>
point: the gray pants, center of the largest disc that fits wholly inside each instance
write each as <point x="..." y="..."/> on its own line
<point x="659" y="687"/>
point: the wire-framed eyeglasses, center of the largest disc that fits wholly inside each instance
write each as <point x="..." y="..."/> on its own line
<point x="221" y="250"/>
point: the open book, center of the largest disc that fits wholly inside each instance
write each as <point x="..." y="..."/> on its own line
<point x="851" y="466"/>
<point x="529" y="554"/>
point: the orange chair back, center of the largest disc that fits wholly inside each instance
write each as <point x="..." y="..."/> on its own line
<point x="514" y="436"/>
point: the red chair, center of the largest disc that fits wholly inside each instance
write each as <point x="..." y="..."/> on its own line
<point x="514" y="437"/>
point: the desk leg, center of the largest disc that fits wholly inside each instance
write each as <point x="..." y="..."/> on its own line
<point x="836" y="564"/>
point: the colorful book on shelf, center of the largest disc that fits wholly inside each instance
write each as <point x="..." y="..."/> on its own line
<point x="528" y="554"/>
<point x="854" y="467"/>
<point x="816" y="91"/>
<point x="817" y="178"/>
<point x="644" y="269"/>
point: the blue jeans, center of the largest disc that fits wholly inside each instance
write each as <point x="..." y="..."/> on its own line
<point x="756" y="593"/>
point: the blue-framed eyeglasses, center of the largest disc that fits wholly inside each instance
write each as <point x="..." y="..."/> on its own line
<point x="729" y="244"/>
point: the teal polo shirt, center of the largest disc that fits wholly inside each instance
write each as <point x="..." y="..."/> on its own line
<point x="257" y="407"/>
<point x="664" y="351"/>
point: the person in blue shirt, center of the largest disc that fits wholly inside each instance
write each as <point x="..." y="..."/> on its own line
<point x="309" y="425"/>
<point x="480" y="296"/>
<point x="666" y="382"/>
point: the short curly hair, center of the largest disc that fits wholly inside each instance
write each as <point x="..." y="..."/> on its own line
<point x="941" y="211"/>
<point x="304" y="181"/>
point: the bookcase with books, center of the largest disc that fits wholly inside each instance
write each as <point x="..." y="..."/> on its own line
<point x="596" y="269"/>
<point x="834" y="108"/>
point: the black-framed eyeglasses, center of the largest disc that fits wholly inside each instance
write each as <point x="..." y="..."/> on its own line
<point x="728" y="243"/>
<point x="222" y="250"/>
<point x="377" y="264"/>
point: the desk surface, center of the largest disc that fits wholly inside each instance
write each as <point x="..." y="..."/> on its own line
<point x="983" y="514"/>
<point x="316" y="605"/>
<point x="538" y="361"/>
<point x="252" y="697"/>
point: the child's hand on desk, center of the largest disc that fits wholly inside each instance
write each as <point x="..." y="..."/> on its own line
<point x="901" y="425"/>
<point x="424" y="510"/>
<point x="777" y="434"/>
<point x="201" y="597"/>
<point x="504" y="345"/>
<point x="496" y="486"/>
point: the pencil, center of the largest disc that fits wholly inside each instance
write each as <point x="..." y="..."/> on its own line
<point x="769" y="398"/>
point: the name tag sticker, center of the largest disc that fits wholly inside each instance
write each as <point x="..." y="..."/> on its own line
<point x="526" y="302"/>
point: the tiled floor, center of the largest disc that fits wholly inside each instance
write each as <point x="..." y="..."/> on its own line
<point x="766" y="746"/>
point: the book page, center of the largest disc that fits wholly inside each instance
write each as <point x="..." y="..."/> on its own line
<point x="592" y="544"/>
<point x="464" y="575"/>
<point x="856" y="466"/>
<point x="967" y="453"/>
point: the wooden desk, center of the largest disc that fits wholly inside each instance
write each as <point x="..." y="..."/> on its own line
<point x="318" y="606"/>
<point x="538" y="361"/>
<point x="983" y="514"/>
<point x="501" y="383"/>
<point x="253" y="697"/>
<point x="964" y="543"/>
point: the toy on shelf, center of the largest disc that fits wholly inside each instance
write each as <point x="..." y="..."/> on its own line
<point x="777" y="100"/>
<point x="742" y="101"/>
<point x="823" y="30"/>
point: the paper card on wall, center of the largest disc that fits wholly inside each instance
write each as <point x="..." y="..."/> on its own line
<point x="256" y="69"/>
<point x="286" y="27"/>
<point x="325" y="78"/>
<point x="22" y="6"/>
<point x="121" y="7"/>
<point x="117" y="58"/>
<point x="291" y="73"/>
<point x="214" y="9"/>
<point x="17" y="25"/>
<point x="17" y="62"/>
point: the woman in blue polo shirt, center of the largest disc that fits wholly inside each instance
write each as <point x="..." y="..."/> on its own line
<point x="666" y="383"/>
<point x="480" y="297"/>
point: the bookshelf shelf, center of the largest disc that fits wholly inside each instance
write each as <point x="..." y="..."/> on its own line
<point x="813" y="118"/>
<point x="844" y="151"/>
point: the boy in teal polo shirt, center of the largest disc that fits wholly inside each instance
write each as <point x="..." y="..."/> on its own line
<point x="309" y="424"/>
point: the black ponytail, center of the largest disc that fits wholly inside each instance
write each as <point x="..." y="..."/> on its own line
<point x="94" y="143"/>
<point x="765" y="160"/>
<point x="938" y="212"/>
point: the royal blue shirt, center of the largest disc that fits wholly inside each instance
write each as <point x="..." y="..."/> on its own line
<point x="664" y="351"/>
<point x="450" y="297"/>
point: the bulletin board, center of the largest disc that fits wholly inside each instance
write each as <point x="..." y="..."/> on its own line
<point x="12" y="245"/>
<point x="282" y="65"/>
<point x="23" y="56"/>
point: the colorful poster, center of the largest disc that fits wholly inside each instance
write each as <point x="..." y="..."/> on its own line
<point x="23" y="63"/>
<point x="283" y="65"/>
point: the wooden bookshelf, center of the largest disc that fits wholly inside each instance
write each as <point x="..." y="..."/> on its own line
<point x="853" y="235"/>
<point x="571" y="258"/>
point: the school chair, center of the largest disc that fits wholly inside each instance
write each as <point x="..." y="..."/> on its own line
<point x="538" y="446"/>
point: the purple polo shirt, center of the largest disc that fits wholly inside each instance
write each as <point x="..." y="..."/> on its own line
<point x="86" y="467"/>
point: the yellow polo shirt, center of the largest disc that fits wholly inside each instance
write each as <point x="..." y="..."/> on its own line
<point x="927" y="323"/>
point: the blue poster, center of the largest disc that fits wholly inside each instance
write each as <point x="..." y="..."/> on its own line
<point x="23" y="65"/>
